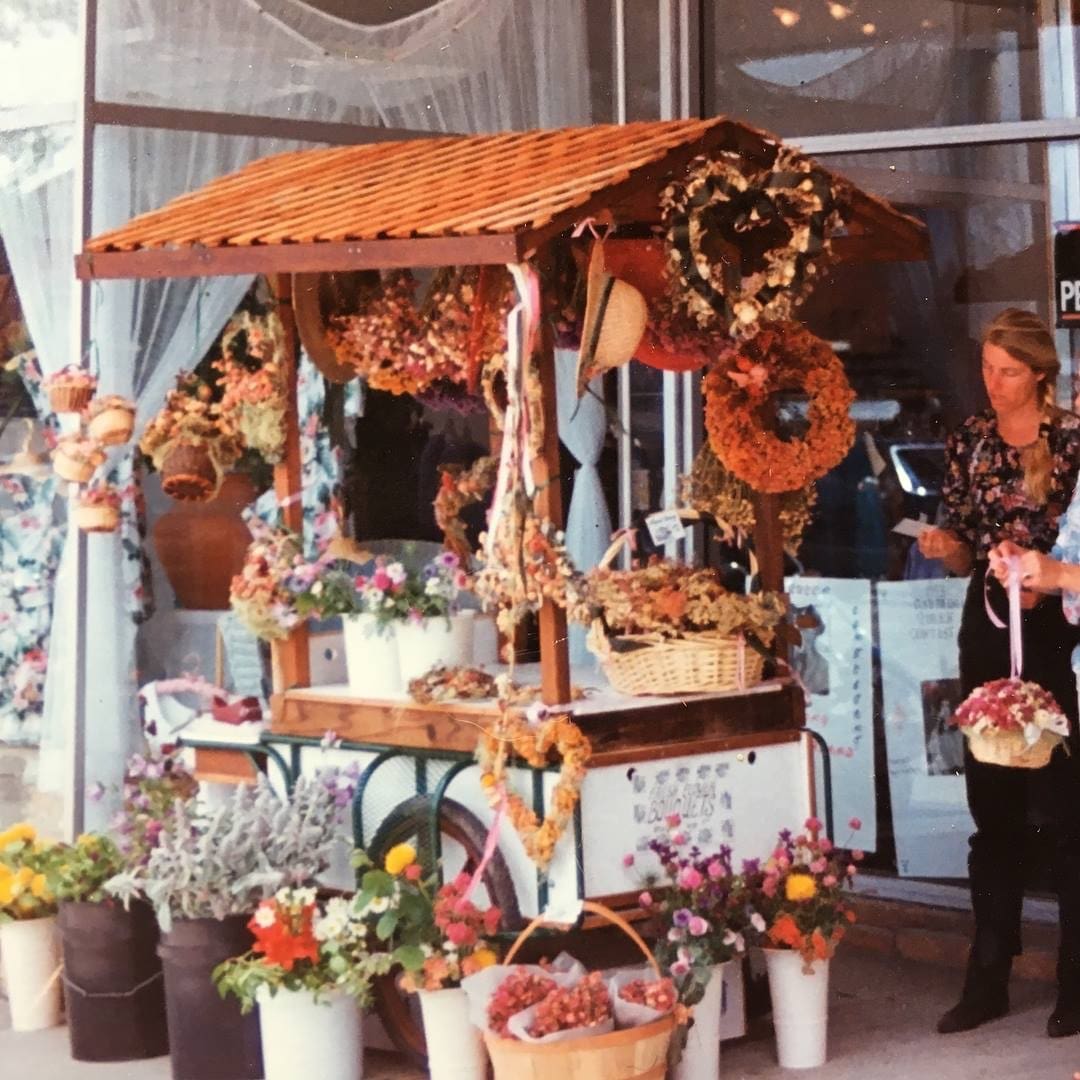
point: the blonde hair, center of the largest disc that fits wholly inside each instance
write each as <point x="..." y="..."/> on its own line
<point x="1025" y="337"/>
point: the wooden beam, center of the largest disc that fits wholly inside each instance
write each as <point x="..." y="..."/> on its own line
<point x="554" y="647"/>
<point x="418" y="251"/>
<point x="291" y="657"/>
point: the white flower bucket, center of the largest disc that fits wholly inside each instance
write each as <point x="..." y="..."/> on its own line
<point x="701" y="1056"/>
<point x="371" y="657"/>
<point x="485" y="640"/>
<point x="455" y="1048"/>
<point x="800" y="1008"/>
<point x="441" y="640"/>
<point x="304" y="1037"/>
<point x="30" y="957"/>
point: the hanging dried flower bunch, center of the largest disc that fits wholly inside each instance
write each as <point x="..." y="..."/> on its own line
<point x="459" y="488"/>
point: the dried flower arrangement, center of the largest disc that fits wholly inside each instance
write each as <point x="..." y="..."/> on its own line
<point x="737" y="392"/>
<point x="76" y="458"/>
<point x="260" y="595"/>
<point x="712" y="489"/>
<point x="98" y="509"/>
<point x="744" y="244"/>
<point x="110" y="419"/>
<point x="253" y="377"/>
<point x="70" y="389"/>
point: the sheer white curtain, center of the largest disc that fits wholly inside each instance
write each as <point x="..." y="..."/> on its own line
<point x="582" y="426"/>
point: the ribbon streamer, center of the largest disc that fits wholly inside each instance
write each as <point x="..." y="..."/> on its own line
<point x="490" y="847"/>
<point x="1015" y="625"/>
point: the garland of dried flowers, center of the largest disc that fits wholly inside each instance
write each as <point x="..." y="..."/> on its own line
<point x="782" y="357"/>
<point x="533" y="744"/>
<point x="254" y="380"/>
<point x="745" y="243"/>
<point x="460" y="487"/>
<point x="530" y="564"/>
<point x="671" y="599"/>
<point x="711" y="489"/>
<point x="443" y="683"/>
<point x="405" y="348"/>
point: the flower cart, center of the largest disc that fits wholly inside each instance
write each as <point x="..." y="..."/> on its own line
<point x="513" y="201"/>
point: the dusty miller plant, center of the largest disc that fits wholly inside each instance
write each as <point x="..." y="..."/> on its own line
<point x="216" y="863"/>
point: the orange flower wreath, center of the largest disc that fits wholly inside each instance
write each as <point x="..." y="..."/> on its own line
<point x="784" y="356"/>
<point x="532" y="744"/>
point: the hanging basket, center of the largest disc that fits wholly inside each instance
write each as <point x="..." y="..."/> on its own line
<point x="189" y="472"/>
<point x="706" y="662"/>
<point x="1010" y="748"/>
<point x="70" y="398"/>
<point x="638" y="1053"/>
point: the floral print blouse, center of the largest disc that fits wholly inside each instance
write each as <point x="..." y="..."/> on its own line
<point x="983" y="491"/>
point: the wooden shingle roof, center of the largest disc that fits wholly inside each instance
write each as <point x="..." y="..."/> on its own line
<point x="440" y="201"/>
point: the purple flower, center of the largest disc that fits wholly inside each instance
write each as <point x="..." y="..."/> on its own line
<point x="682" y="917"/>
<point x="96" y="792"/>
<point x="330" y="740"/>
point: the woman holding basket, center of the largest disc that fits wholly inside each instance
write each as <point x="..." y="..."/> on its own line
<point x="1011" y="471"/>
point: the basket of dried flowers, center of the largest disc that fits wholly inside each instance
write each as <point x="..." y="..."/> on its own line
<point x="666" y="628"/>
<point x="583" y="1026"/>
<point x="70" y="389"/>
<point x="111" y="420"/>
<point x="76" y="459"/>
<point x="98" y="510"/>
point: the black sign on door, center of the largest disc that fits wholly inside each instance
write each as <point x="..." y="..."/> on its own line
<point x="1067" y="274"/>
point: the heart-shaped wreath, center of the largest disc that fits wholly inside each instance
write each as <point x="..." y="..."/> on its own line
<point x="743" y="243"/>
<point x="533" y="743"/>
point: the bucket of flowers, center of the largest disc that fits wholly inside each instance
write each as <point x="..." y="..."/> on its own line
<point x="666" y="628"/>
<point x="310" y="972"/>
<point x="699" y="922"/>
<point x="799" y="912"/>
<point x="29" y="947"/>
<point x="438" y="936"/>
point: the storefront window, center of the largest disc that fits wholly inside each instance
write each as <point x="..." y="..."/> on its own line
<point x="806" y="67"/>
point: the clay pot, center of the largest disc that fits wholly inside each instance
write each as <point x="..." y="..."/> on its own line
<point x="202" y="545"/>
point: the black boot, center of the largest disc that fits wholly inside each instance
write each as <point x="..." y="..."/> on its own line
<point x="1065" y="1019"/>
<point x="985" y="997"/>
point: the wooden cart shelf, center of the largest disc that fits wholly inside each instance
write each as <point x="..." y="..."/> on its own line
<point x="619" y="727"/>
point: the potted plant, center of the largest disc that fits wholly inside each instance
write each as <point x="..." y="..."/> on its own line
<point x="799" y="912"/>
<point x="29" y="948"/>
<point x="699" y="920"/>
<point x="189" y="442"/>
<point x="205" y="878"/>
<point x="438" y="936"/>
<point x="115" y="993"/>
<point x="309" y="971"/>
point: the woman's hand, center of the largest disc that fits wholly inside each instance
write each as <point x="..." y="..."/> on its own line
<point x="945" y="545"/>
<point x="1038" y="572"/>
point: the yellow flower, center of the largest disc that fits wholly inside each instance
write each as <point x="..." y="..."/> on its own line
<point x="483" y="958"/>
<point x="7" y="893"/>
<point x="86" y="840"/>
<point x="800" y="887"/>
<point x="399" y="857"/>
<point x="17" y="834"/>
<point x="38" y="886"/>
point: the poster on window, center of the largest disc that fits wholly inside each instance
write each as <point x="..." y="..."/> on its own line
<point x="917" y="625"/>
<point x="834" y="662"/>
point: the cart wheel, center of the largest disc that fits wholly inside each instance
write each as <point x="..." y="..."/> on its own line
<point x="463" y="836"/>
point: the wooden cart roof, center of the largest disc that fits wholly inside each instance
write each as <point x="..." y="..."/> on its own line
<point x="448" y="200"/>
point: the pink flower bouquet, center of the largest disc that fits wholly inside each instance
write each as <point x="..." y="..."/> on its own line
<point x="1012" y="722"/>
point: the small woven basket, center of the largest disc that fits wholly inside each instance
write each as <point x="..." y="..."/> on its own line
<point x="189" y="473"/>
<point x="701" y="663"/>
<point x="1009" y="748"/>
<point x="638" y="1053"/>
<point x="69" y="399"/>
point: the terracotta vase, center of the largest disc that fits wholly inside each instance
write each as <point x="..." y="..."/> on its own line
<point x="202" y="545"/>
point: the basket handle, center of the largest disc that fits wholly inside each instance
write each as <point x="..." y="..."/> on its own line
<point x="596" y="909"/>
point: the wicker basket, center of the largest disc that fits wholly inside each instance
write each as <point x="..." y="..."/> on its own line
<point x="67" y="398"/>
<point x="632" y="1054"/>
<point x="1010" y="749"/>
<point x="189" y="473"/>
<point x="707" y="662"/>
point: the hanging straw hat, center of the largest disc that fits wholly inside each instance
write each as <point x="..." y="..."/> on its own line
<point x="615" y="317"/>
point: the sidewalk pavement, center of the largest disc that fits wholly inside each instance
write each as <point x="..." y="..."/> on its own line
<point x="881" y="1028"/>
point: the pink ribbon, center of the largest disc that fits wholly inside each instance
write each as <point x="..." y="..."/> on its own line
<point x="189" y="684"/>
<point x="740" y="663"/>
<point x="490" y="846"/>
<point x="589" y="223"/>
<point x="1015" y="625"/>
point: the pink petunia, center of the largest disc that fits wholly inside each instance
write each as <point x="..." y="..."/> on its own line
<point x="628" y="861"/>
<point x="689" y="878"/>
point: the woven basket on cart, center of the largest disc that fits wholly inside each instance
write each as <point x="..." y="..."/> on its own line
<point x="631" y="1054"/>
<point x="190" y="473"/>
<point x="1010" y="748"/>
<point x="705" y="662"/>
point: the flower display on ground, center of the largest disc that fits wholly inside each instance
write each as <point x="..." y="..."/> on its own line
<point x="435" y="933"/>
<point x="798" y="897"/>
<point x="304" y="944"/>
<point x="29" y="870"/>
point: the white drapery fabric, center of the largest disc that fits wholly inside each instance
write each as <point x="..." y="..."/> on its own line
<point x="464" y="65"/>
<point x="582" y="427"/>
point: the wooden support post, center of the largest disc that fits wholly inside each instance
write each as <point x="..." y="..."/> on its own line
<point x="554" y="647"/>
<point x="769" y="549"/>
<point x="291" y="658"/>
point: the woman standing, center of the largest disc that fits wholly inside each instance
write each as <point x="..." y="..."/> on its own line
<point x="1011" y="471"/>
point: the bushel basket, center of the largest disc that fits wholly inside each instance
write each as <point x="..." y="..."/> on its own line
<point x="700" y="663"/>
<point x="638" y="1053"/>
<point x="1010" y="748"/>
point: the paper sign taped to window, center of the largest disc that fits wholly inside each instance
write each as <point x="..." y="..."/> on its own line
<point x="911" y="527"/>
<point x="665" y="526"/>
